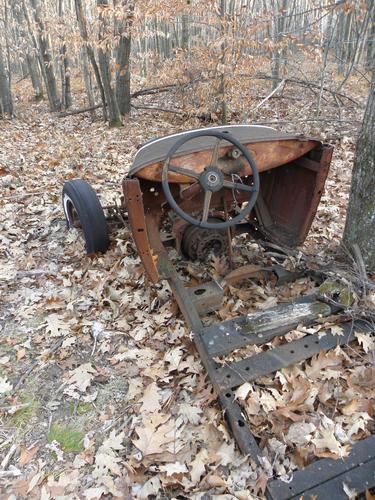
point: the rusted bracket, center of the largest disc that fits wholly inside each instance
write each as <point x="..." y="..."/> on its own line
<point x="137" y="221"/>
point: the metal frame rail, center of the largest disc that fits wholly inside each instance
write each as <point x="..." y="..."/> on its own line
<point x="323" y="478"/>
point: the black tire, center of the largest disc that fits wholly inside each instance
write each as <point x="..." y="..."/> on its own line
<point x="82" y="209"/>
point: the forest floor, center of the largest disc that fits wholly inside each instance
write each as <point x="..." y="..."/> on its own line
<point x="102" y="390"/>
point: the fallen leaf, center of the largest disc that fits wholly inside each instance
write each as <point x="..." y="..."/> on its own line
<point x="190" y="413"/>
<point x="27" y="454"/>
<point x="366" y="341"/>
<point x="82" y="376"/>
<point x="175" y="468"/>
<point x="150" y="399"/>
<point x="198" y="466"/>
<point x="150" y="488"/>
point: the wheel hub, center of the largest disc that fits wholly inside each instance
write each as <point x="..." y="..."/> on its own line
<point x="211" y="179"/>
<point x="197" y="243"/>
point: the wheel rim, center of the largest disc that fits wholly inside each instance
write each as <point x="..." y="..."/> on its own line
<point x="70" y="212"/>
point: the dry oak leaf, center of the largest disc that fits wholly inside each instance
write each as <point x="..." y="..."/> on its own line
<point x="105" y="462"/>
<point x="328" y="441"/>
<point x="155" y="434"/>
<point x="150" y="399"/>
<point x="198" y="466"/>
<point x="57" y="326"/>
<point x="173" y="358"/>
<point x="190" y="413"/>
<point x="151" y="487"/>
<point x="300" y="433"/>
<point x="82" y="376"/>
<point x="27" y="454"/>
<point x="214" y="481"/>
<point x="175" y="468"/>
<point x="105" y="458"/>
<point x="320" y="362"/>
<point x="366" y="341"/>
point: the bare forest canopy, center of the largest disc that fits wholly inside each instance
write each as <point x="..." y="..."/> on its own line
<point x="208" y="56"/>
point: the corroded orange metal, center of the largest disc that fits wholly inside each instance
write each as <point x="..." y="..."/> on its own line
<point x="137" y="221"/>
<point x="267" y="155"/>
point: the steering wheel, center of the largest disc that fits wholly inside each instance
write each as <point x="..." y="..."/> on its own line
<point x="211" y="180"/>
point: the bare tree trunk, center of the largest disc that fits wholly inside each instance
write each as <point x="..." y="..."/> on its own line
<point x="45" y="52"/>
<point x="66" y="94"/>
<point x="279" y="28"/>
<point x="224" y="109"/>
<point x="90" y="52"/>
<point x="28" y="45"/>
<point x="360" y="219"/>
<point x="6" y="104"/>
<point x="123" y="59"/>
<point x="185" y="32"/>
<point x="34" y="72"/>
<point x="87" y="79"/>
<point x="105" y="73"/>
<point x="370" y="53"/>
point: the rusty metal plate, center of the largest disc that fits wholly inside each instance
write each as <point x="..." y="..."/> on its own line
<point x="137" y="221"/>
<point x="206" y="297"/>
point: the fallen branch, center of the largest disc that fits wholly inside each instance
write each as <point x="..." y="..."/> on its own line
<point x="78" y="111"/>
<point x="154" y="90"/>
<point x="34" y="273"/>
<point x="164" y="110"/>
<point x="281" y="84"/>
<point x="328" y="120"/>
<point x="203" y="116"/>
<point x="12" y="197"/>
<point x="299" y="82"/>
<point x="23" y="78"/>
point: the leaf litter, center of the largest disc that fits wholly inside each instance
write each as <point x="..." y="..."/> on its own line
<point x="101" y="351"/>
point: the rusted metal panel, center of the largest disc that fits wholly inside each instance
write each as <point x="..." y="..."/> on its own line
<point x="290" y="196"/>
<point x="267" y="155"/>
<point x="207" y="297"/>
<point x="134" y="204"/>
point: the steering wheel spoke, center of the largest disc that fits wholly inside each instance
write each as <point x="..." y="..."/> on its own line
<point x="215" y="153"/>
<point x="206" y="205"/>
<point x="183" y="171"/>
<point x="239" y="186"/>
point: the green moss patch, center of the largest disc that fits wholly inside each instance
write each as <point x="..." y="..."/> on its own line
<point x="81" y="409"/>
<point x="69" y="438"/>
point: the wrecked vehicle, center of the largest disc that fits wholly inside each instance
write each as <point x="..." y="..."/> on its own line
<point x="196" y="190"/>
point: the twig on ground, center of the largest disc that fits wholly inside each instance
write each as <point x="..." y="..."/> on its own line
<point x="12" y="197"/>
<point x="78" y="111"/>
<point x="329" y="120"/>
<point x="281" y="85"/>
<point x="164" y="110"/>
<point x="299" y="82"/>
<point x="4" y="464"/>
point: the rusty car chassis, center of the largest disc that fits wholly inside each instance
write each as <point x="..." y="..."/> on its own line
<point x="197" y="190"/>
